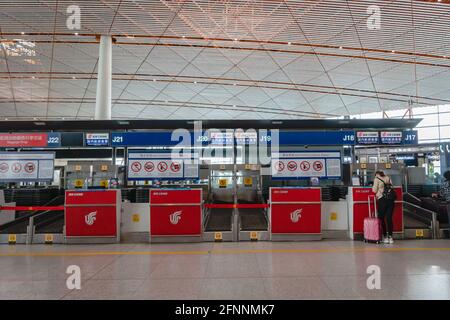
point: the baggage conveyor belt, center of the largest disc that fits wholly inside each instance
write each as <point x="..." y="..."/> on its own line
<point x="253" y="219"/>
<point x="219" y="220"/>
<point x="53" y="223"/>
<point x="16" y="227"/>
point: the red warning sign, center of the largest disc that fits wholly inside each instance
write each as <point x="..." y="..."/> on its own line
<point x="29" y="167"/>
<point x="162" y="166"/>
<point x="279" y="166"/>
<point x="136" y="166"/>
<point x="292" y="165"/>
<point x="175" y="166"/>
<point x="317" y="165"/>
<point x="16" y="167"/>
<point x="149" y="166"/>
<point x="4" y="167"/>
<point x="304" y="165"/>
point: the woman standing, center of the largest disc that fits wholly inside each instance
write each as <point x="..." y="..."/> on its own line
<point x="385" y="194"/>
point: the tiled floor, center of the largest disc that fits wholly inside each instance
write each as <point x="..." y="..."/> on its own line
<point x="264" y="270"/>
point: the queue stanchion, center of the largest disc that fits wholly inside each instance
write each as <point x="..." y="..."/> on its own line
<point x="295" y="214"/>
<point x="358" y="203"/>
<point x="92" y="216"/>
<point x="175" y="215"/>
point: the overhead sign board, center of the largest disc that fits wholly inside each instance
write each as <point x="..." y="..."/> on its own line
<point x="391" y="137"/>
<point x="310" y="138"/>
<point x="97" y="139"/>
<point x="26" y="166"/>
<point x="153" y="165"/>
<point x="30" y="140"/>
<point x="409" y="137"/>
<point x="298" y="165"/>
<point x="367" y="137"/>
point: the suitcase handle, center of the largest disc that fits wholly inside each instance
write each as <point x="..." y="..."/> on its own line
<point x="375" y="215"/>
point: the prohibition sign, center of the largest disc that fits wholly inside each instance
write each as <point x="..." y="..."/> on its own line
<point x="29" y="167"/>
<point x="162" y="166"/>
<point x="292" y="166"/>
<point x="317" y="165"/>
<point x="16" y="167"/>
<point x="136" y="166"/>
<point x="279" y="166"/>
<point x="175" y="166"/>
<point x="149" y="166"/>
<point x="4" y="167"/>
<point x="304" y="165"/>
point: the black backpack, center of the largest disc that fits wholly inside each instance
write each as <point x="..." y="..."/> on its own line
<point x="388" y="192"/>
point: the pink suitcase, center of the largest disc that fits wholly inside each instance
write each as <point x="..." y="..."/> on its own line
<point x="372" y="225"/>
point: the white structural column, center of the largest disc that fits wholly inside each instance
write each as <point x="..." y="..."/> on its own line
<point x="103" y="99"/>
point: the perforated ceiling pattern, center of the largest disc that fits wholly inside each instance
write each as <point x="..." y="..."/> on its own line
<point x="224" y="59"/>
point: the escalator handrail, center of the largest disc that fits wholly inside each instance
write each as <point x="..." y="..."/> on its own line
<point x="412" y="196"/>
<point x="434" y="223"/>
<point x="40" y="224"/>
<point x="37" y="216"/>
<point x="427" y="211"/>
<point x="29" y="215"/>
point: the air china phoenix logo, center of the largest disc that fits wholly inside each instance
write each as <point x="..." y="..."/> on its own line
<point x="296" y="215"/>
<point x="175" y="217"/>
<point x="90" y="218"/>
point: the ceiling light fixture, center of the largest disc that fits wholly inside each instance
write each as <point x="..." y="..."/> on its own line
<point x="289" y="43"/>
<point x="22" y="33"/>
<point x="340" y="47"/>
<point x="393" y="51"/>
<point x="76" y="33"/>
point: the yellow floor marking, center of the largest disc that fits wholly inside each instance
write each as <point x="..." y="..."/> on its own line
<point x="204" y="252"/>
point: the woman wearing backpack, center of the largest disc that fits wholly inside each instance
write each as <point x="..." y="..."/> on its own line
<point x="385" y="194"/>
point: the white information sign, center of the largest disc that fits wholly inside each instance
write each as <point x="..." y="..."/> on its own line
<point x="147" y="166"/>
<point x="306" y="165"/>
<point x="26" y="166"/>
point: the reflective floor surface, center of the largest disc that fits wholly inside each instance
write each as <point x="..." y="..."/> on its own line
<point x="410" y="269"/>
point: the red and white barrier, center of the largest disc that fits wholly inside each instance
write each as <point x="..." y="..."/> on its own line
<point x="92" y="216"/>
<point x="358" y="209"/>
<point x="295" y="214"/>
<point x="175" y="213"/>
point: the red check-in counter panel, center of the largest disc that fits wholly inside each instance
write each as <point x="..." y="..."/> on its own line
<point x="92" y="214"/>
<point x="358" y="198"/>
<point x="175" y="212"/>
<point x="295" y="211"/>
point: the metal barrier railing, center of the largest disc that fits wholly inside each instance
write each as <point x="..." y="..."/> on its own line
<point x="432" y="217"/>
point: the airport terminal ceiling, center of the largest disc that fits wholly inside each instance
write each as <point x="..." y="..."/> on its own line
<point x="224" y="59"/>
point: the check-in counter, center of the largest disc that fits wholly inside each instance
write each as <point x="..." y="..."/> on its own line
<point x="175" y="215"/>
<point x="295" y="214"/>
<point x="358" y="209"/>
<point x="92" y="216"/>
<point x="135" y="222"/>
